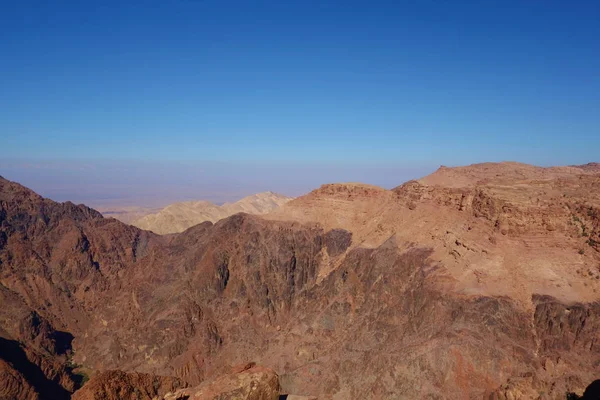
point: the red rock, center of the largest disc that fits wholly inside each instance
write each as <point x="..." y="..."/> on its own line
<point x="359" y="298"/>
<point x="254" y="383"/>
<point x="118" y="385"/>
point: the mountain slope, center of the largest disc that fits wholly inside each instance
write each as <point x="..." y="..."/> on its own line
<point x="495" y="230"/>
<point x="178" y="217"/>
<point x="56" y="262"/>
<point x="349" y="292"/>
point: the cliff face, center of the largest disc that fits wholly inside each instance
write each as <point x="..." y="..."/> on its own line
<point x="351" y="292"/>
<point x="56" y="261"/>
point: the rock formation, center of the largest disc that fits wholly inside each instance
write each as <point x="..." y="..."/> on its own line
<point x="118" y="385"/>
<point x="248" y="383"/>
<point x="476" y="282"/>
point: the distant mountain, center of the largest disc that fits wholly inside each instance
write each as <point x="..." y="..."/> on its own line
<point x="178" y="217"/>
<point x="126" y="214"/>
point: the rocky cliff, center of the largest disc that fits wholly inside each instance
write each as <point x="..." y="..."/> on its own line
<point x="430" y="290"/>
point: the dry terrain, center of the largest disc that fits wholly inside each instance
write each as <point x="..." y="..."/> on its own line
<point x="474" y="282"/>
<point x="126" y="214"/>
<point x="178" y="217"/>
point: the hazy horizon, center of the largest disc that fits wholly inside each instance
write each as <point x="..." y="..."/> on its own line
<point x="105" y="184"/>
<point x="148" y="103"/>
<point x="102" y="183"/>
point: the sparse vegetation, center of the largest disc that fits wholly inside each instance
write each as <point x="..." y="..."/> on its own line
<point x="78" y="374"/>
<point x="80" y="378"/>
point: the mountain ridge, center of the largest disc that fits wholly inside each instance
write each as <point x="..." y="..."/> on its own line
<point x="508" y="204"/>
<point x="178" y="217"/>
<point x="348" y="292"/>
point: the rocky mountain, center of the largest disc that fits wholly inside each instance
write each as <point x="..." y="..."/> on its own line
<point x="473" y="282"/>
<point x="178" y="217"/>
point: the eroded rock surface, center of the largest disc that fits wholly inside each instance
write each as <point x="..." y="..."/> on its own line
<point x="118" y="385"/>
<point x="472" y="289"/>
<point x="250" y="383"/>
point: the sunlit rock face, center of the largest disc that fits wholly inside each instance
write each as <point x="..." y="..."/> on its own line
<point x="474" y="282"/>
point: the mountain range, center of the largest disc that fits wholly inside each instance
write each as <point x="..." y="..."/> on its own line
<point x="473" y="282"/>
<point x="178" y="217"/>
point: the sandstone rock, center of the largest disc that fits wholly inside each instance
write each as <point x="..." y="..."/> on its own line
<point x="253" y="383"/>
<point x="517" y="389"/>
<point x="344" y="292"/>
<point x="118" y="385"/>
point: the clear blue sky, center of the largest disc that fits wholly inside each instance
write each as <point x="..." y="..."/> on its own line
<point x="298" y="92"/>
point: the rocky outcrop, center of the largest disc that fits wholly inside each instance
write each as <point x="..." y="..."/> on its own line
<point x="517" y="388"/>
<point x="28" y="374"/>
<point x="14" y="385"/>
<point x="118" y="385"/>
<point x="353" y="292"/>
<point x="249" y="383"/>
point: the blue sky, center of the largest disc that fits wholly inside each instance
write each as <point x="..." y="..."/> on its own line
<point x="215" y="99"/>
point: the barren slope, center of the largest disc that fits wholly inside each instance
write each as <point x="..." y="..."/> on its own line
<point x="497" y="229"/>
<point x="178" y="217"/>
<point x="424" y="291"/>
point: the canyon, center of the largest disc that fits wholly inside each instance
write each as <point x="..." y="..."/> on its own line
<point x="473" y="282"/>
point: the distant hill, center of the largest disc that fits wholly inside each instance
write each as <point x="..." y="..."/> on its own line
<point x="126" y="214"/>
<point x="178" y="217"/>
